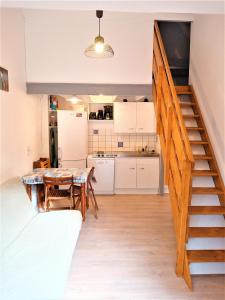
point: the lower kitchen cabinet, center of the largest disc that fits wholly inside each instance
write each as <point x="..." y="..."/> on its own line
<point x="137" y="175"/>
<point x="147" y="173"/>
<point x="125" y="173"/>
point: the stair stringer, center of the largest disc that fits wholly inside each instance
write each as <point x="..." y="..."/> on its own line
<point x="203" y="243"/>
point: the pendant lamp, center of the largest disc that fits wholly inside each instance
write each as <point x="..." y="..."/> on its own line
<point x="99" y="49"/>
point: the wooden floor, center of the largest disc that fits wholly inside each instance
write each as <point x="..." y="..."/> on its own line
<point x="129" y="254"/>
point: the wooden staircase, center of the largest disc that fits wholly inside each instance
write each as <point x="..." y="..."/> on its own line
<point x="191" y="169"/>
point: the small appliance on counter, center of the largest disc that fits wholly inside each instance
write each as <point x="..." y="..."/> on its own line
<point x="92" y="116"/>
<point x="108" y="112"/>
<point x="100" y="115"/>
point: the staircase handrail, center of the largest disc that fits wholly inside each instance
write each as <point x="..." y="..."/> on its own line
<point x="177" y="108"/>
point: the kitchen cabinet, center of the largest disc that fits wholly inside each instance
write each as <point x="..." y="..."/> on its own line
<point x="125" y="173"/>
<point x="137" y="175"/>
<point x="147" y="173"/>
<point x="145" y="118"/>
<point x="125" y="117"/>
<point x="134" y="117"/>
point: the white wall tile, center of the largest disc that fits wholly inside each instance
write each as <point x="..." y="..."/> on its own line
<point x="106" y="140"/>
<point x="101" y="144"/>
<point x="101" y="131"/>
<point x="101" y="138"/>
<point x="108" y="144"/>
<point x="95" y="138"/>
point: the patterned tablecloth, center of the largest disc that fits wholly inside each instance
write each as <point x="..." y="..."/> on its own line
<point x="36" y="176"/>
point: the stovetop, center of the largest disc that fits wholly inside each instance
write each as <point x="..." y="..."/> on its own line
<point x="101" y="154"/>
<point x="104" y="155"/>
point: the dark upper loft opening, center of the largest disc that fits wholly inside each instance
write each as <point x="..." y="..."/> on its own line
<point x="176" y="39"/>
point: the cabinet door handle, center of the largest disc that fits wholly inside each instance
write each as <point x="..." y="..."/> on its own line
<point x="132" y="168"/>
<point x="141" y="168"/>
<point x="140" y="128"/>
<point x="131" y="128"/>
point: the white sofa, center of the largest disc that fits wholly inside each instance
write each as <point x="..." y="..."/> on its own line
<point x="36" y="248"/>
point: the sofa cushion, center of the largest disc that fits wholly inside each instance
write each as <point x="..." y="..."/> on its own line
<point x="36" y="265"/>
<point x="16" y="210"/>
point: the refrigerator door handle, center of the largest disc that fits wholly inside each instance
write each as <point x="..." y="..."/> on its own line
<point x="59" y="153"/>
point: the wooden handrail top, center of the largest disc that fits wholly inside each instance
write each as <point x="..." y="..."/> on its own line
<point x="176" y="105"/>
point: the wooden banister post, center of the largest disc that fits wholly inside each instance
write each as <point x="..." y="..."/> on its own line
<point x="159" y="98"/>
<point x="184" y="200"/>
<point x="168" y="141"/>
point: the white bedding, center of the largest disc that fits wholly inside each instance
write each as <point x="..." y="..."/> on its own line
<point x="36" y="263"/>
<point x="16" y="210"/>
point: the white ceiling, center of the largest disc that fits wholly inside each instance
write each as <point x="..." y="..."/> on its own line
<point x="163" y="6"/>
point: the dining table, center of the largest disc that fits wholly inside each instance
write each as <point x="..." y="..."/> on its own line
<point x="34" y="180"/>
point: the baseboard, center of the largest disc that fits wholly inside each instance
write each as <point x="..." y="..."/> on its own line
<point x="104" y="193"/>
<point x="137" y="191"/>
<point x="166" y="189"/>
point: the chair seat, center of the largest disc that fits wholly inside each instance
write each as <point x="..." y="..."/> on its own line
<point x="77" y="192"/>
<point x="76" y="189"/>
<point x="58" y="193"/>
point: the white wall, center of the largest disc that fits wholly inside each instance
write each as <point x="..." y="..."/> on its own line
<point x="150" y="6"/>
<point x="56" y="40"/>
<point x="207" y="77"/>
<point x="20" y="113"/>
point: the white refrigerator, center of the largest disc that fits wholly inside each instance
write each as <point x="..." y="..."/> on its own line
<point x="72" y="139"/>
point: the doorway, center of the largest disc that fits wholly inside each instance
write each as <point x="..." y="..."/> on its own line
<point x="176" y="40"/>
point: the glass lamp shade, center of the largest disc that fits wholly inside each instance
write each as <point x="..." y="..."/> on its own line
<point x="99" y="49"/>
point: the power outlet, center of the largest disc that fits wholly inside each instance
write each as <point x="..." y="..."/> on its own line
<point x="29" y="151"/>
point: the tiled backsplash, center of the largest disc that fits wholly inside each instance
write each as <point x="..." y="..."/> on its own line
<point x="104" y="139"/>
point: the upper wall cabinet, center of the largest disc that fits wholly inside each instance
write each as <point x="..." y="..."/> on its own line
<point x="145" y="117"/>
<point x="125" y="117"/>
<point x="132" y="117"/>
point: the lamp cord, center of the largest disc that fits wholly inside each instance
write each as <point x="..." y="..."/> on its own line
<point x="99" y="26"/>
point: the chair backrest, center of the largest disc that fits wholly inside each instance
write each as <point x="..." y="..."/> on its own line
<point x="52" y="181"/>
<point x="91" y="175"/>
<point x="44" y="162"/>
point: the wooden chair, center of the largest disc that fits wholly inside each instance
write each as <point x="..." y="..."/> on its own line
<point x="52" y="193"/>
<point x="41" y="163"/>
<point x="45" y="163"/>
<point x="90" y="193"/>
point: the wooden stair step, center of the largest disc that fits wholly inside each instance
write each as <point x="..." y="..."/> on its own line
<point x="190" y="116"/>
<point x="206" y="210"/>
<point x="218" y="232"/>
<point x="195" y="128"/>
<point x="206" y="256"/>
<point x="184" y="93"/>
<point x="204" y="173"/>
<point x="182" y="88"/>
<point x="202" y="157"/>
<point x="184" y="104"/>
<point x="206" y="191"/>
<point x="198" y="142"/>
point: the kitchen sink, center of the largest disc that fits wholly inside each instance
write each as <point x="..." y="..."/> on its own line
<point x="137" y="154"/>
